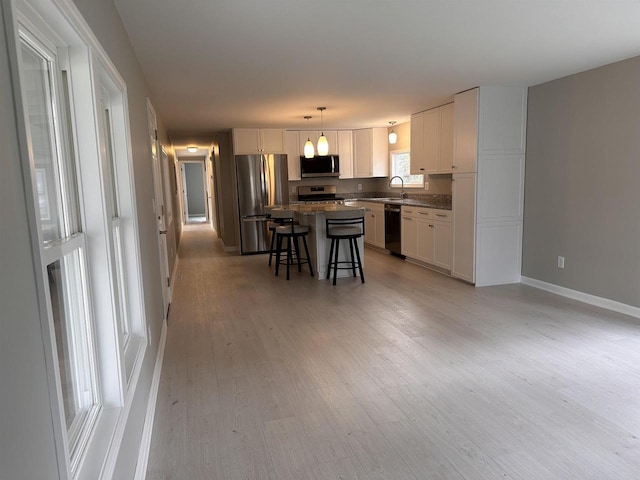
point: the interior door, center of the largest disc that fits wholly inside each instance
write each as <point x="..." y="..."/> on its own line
<point x="159" y="208"/>
<point x="185" y="193"/>
<point x="194" y="191"/>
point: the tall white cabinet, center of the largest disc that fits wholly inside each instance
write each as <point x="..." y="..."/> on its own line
<point x="488" y="184"/>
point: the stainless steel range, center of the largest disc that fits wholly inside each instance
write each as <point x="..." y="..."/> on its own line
<point x="319" y="194"/>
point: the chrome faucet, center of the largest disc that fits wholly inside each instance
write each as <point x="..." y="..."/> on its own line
<point x="402" y="194"/>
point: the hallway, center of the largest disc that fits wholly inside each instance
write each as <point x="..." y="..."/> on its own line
<point x="412" y="375"/>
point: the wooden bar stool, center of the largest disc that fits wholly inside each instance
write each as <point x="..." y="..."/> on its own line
<point x="291" y="231"/>
<point x="345" y="225"/>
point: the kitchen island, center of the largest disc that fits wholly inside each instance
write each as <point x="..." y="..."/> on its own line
<point x="312" y="215"/>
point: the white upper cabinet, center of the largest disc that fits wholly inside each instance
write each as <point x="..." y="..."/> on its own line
<point x="248" y="141"/>
<point x="465" y="115"/>
<point x="432" y="140"/>
<point x="417" y="144"/>
<point x="445" y="158"/>
<point x="345" y="151"/>
<point x="371" y="152"/>
<point x="293" y="154"/>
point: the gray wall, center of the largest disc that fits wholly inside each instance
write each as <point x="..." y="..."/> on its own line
<point x="27" y="448"/>
<point x="582" y="190"/>
<point x="195" y="188"/>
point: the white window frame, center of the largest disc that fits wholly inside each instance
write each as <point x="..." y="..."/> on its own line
<point x="43" y="42"/>
<point x="392" y="172"/>
<point x="129" y="270"/>
<point x="117" y="366"/>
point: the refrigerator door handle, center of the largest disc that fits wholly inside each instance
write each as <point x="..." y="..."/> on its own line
<point x="266" y="184"/>
<point x="255" y="218"/>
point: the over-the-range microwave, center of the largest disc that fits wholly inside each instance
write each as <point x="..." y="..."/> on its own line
<point x="320" y="166"/>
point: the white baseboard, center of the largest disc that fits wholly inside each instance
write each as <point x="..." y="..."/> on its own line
<point x="583" y="297"/>
<point x="147" y="430"/>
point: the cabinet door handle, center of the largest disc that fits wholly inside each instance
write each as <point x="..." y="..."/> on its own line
<point x="440" y="215"/>
<point x="421" y="169"/>
<point x="430" y="226"/>
<point x="408" y="218"/>
<point x="423" y="213"/>
<point x="453" y="166"/>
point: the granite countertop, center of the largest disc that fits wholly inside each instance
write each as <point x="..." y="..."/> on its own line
<point x="315" y="208"/>
<point x="403" y="201"/>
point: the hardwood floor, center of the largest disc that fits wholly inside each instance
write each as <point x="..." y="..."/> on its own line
<point x="412" y="375"/>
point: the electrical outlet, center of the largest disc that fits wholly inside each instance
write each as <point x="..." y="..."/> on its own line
<point x="359" y="187"/>
<point x="293" y="189"/>
<point x="426" y="186"/>
<point x="560" y="261"/>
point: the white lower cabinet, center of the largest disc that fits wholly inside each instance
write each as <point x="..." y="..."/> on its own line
<point x="442" y="244"/>
<point x="409" y="238"/>
<point x="426" y="235"/>
<point x="373" y="223"/>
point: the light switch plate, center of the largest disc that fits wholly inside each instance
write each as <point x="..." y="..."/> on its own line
<point x="560" y="261"/>
<point x="426" y="186"/>
<point x="359" y="187"/>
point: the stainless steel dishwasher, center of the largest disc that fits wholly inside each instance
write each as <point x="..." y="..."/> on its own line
<point x="392" y="229"/>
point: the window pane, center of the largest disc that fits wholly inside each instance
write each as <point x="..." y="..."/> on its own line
<point x="401" y="166"/>
<point x="72" y="211"/>
<point x="36" y="83"/>
<point x="72" y="337"/>
<point x="121" y="293"/>
<point x="111" y="161"/>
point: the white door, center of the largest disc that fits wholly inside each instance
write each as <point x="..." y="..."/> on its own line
<point x="185" y="194"/>
<point x="159" y="208"/>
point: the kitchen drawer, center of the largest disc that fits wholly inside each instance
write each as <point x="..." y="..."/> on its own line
<point x="427" y="213"/>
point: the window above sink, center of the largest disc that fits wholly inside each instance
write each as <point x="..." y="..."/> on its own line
<point x="400" y="162"/>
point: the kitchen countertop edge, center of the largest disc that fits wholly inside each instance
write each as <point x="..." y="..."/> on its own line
<point x="400" y="201"/>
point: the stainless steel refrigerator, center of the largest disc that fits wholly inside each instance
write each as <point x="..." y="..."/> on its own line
<point x="262" y="181"/>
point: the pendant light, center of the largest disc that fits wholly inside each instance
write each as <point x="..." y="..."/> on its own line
<point x="308" y="145"/>
<point x="393" y="136"/>
<point x="323" y="144"/>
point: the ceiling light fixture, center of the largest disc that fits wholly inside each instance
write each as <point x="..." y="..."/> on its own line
<point x="308" y="145"/>
<point x="323" y="144"/>
<point x="393" y="136"/>
<point x="192" y="149"/>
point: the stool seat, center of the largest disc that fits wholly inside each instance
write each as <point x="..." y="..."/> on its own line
<point x="343" y="231"/>
<point x="344" y="225"/>
<point x="297" y="229"/>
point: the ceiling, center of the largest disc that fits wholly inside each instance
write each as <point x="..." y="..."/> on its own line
<point x="212" y="64"/>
